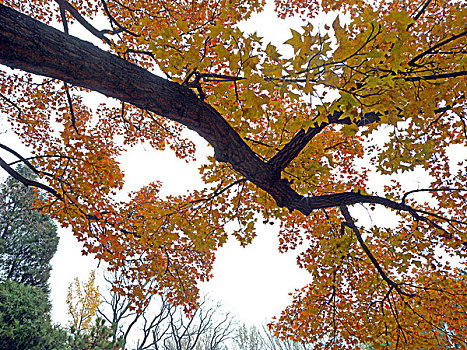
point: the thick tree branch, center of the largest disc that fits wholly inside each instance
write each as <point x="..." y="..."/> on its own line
<point x="292" y="149"/>
<point x="32" y="46"/>
<point x="37" y="48"/>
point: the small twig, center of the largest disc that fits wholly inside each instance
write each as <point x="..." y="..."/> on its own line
<point x="431" y="190"/>
<point x="13" y="104"/>
<point x="113" y="20"/>
<point x="72" y="112"/>
<point x="258" y="142"/>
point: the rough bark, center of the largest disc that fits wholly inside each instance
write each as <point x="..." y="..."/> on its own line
<point x="32" y="46"/>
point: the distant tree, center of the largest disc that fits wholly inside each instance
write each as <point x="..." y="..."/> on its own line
<point x="83" y="299"/>
<point x="99" y="337"/>
<point x="275" y="343"/>
<point x="28" y="239"/>
<point x="162" y="326"/>
<point x="252" y="338"/>
<point x="249" y="338"/>
<point x="25" y="321"/>
<point x="208" y="328"/>
<point x="88" y="332"/>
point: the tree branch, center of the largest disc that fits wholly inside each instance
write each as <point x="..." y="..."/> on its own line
<point x="437" y="76"/>
<point x="13" y="173"/>
<point x="420" y="13"/>
<point x="292" y="149"/>
<point x="113" y="20"/>
<point x="37" y="48"/>
<point x="351" y="224"/>
<point x="75" y="13"/>
<point x="431" y="49"/>
<point x="70" y="105"/>
<point x="32" y="46"/>
<point x="20" y="157"/>
<point x="444" y="189"/>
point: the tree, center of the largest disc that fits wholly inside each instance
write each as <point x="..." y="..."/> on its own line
<point x="28" y="238"/>
<point x="25" y="320"/>
<point x="283" y="150"/>
<point x="87" y="330"/>
<point x="99" y="337"/>
<point x="251" y="338"/>
<point x="162" y="325"/>
<point x="83" y="300"/>
<point x="28" y="242"/>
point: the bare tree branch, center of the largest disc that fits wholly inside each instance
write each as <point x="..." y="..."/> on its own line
<point x="75" y="13"/>
<point x="28" y="182"/>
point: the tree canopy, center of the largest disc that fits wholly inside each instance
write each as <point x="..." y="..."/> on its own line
<point x="284" y="150"/>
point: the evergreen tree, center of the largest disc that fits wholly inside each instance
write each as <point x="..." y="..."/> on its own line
<point x="28" y="241"/>
<point x="28" y="238"/>
<point x="25" y="319"/>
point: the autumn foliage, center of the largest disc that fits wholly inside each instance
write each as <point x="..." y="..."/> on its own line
<point x="284" y="151"/>
<point x="83" y="300"/>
